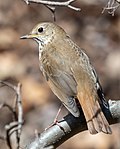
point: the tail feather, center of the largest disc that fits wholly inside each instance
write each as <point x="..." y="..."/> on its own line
<point x="95" y="118"/>
<point x="105" y="128"/>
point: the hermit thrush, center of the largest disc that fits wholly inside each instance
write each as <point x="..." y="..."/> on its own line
<point x="70" y="75"/>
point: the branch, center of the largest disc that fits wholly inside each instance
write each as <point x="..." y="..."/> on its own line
<point x="55" y="136"/>
<point x="55" y="3"/>
<point x="111" y="6"/>
<point x="17" y="111"/>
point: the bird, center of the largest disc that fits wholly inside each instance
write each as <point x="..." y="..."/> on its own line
<point x="70" y="75"/>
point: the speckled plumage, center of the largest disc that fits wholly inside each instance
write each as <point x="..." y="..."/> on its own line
<point x="70" y="75"/>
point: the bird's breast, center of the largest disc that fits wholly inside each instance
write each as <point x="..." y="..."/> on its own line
<point x="57" y="69"/>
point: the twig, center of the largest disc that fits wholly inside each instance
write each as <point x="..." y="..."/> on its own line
<point x="20" y="112"/>
<point x="52" y="4"/>
<point x="8" y="129"/>
<point x="55" y="136"/>
<point x="111" y="6"/>
<point x="3" y="105"/>
<point x="17" y="110"/>
<point x="52" y="9"/>
<point x="55" y="3"/>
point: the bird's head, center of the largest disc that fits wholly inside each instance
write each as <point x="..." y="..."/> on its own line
<point x="44" y="33"/>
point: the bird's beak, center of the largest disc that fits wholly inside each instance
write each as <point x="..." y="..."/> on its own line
<point x="29" y="36"/>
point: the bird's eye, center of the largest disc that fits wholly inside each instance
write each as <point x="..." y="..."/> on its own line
<point x="40" y="30"/>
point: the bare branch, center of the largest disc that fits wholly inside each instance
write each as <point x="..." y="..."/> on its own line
<point x="20" y="112"/>
<point x="55" y="3"/>
<point x="13" y="87"/>
<point x="17" y="110"/>
<point x="55" y="136"/>
<point x="3" y="105"/>
<point x="9" y="128"/>
<point x="111" y="6"/>
<point x="52" y="4"/>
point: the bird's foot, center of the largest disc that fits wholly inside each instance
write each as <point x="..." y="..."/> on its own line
<point x="55" y="122"/>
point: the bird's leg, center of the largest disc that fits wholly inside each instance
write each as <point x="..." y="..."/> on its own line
<point x="55" y="122"/>
<point x="57" y="115"/>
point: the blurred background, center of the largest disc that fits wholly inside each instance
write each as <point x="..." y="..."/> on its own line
<point x="98" y="34"/>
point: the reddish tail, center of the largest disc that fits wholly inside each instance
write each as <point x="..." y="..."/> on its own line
<point x="95" y="118"/>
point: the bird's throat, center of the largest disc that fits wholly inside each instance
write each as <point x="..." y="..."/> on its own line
<point x="40" y="50"/>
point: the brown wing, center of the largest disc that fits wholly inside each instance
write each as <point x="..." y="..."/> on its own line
<point x="70" y="74"/>
<point x="87" y="86"/>
<point x="60" y="79"/>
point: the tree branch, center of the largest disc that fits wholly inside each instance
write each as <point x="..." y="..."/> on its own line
<point x="55" y="136"/>
<point x="111" y="6"/>
<point x="55" y="3"/>
<point x="17" y="111"/>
